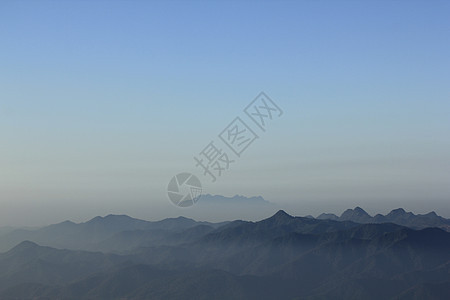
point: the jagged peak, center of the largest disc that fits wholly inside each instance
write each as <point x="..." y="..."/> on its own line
<point x="356" y="211"/>
<point x="281" y="214"/>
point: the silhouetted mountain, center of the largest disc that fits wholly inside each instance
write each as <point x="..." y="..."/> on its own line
<point x="357" y="214"/>
<point x="242" y="232"/>
<point x="280" y="217"/>
<point x="99" y="232"/>
<point x="281" y="257"/>
<point x="398" y="216"/>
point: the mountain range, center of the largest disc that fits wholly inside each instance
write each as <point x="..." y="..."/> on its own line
<point x="280" y="257"/>
<point x="110" y="233"/>
<point x="398" y="216"/>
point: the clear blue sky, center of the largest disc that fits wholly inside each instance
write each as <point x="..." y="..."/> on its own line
<point x="102" y="102"/>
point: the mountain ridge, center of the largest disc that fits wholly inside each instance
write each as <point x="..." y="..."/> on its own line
<point x="397" y="216"/>
<point x="279" y="257"/>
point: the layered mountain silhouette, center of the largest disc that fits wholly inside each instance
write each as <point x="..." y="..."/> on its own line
<point x="280" y="257"/>
<point x="397" y="216"/>
<point x="113" y="232"/>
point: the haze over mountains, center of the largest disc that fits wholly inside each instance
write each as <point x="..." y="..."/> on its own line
<point x="280" y="257"/>
<point x="113" y="232"/>
<point x="121" y="232"/>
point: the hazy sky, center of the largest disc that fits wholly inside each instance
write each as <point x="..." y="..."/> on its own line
<point x="102" y="102"/>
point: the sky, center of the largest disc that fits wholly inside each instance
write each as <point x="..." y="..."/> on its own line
<point x="103" y="102"/>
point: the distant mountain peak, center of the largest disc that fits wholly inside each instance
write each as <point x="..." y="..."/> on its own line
<point x="110" y="218"/>
<point x="28" y="244"/>
<point x="281" y="215"/>
<point x="357" y="215"/>
<point x="25" y="246"/>
<point x="68" y="222"/>
<point x="360" y="210"/>
<point x="398" y="211"/>
<point x="118" y="217"/>
<point x="356" y="211"/>
<point x="177" y="219"/>
<point x="432" y="213"/>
